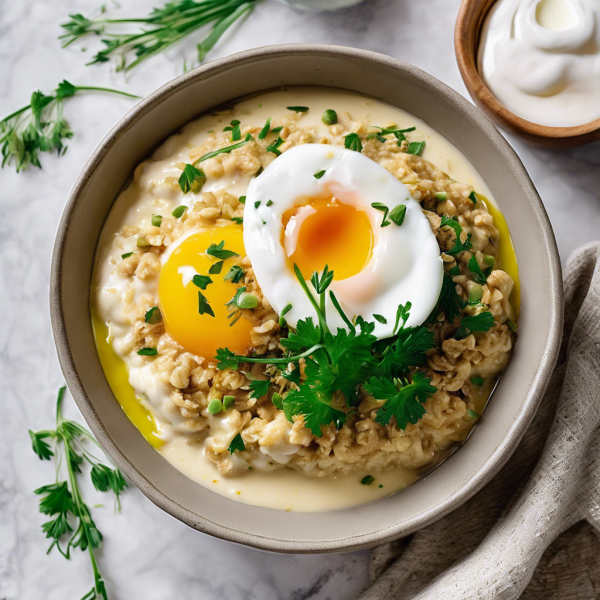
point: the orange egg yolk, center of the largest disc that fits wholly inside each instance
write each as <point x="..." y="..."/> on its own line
<point x="203" y="334"/>
<point x="325" y="231"/>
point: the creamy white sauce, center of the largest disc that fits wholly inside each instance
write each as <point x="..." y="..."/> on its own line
<point x="541" y="59"/>
<point x="282" y="489"/>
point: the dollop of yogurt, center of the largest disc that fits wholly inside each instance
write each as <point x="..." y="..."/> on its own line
<point x="541" y="59"/>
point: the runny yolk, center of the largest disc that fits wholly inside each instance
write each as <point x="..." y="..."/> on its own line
<point x="324" y="231"/>
<point x="203" y="334"/>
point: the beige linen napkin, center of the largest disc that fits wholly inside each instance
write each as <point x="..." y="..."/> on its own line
<point x="533" y="513"/>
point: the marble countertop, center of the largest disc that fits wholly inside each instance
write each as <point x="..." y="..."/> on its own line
<point x="147" y="554"/>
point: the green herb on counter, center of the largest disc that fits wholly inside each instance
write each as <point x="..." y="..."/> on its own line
<point x="40" y="126"/>
<point x="158" y="30"/>
<point x="62" y="502"/>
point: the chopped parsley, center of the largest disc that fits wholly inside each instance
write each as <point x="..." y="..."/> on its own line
<point x="380" y="318"/>
<point x="235" y="274"/>
<point x="216" y="268"/>
<point x="269" y="202"/>
<point x="319" y="174"/>
<point x="147" y="351"/>
<point x="234" y="127"/>
<point x="201" y="281"/>
<point x="153" y="316"/>
<point x="242" y="199"/>
<point x="396" y="215"/>
<point x="217" y="250"/>
<point x="237" y="443"/>
<point x="478" y="381"/>
<point x="126" y="255"/>
<point x="259" y="388"/>
<point x="178" y="212"/>
<point x="237" y="220"/>
<point x="367" y="480"/>
<point x="257" y="204"/>
<point x="191" y="179"/>
<point x="478" y="275"/>
<point x="473" y="197"/>
<point x="458" y="245"/>
<point x="352" y="142"/>
<point x="301" y="109"/>
<point x="416" y="148"/>
<point x="481" y="322"/>
<point x="203" y="305"/>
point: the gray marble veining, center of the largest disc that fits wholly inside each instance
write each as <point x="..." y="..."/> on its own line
<point x="147" y="554"/>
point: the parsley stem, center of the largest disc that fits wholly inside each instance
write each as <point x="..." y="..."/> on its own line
<point x="340" y="310"/>
<point x="279" y="361"/>
<point x="320" y="315"/>
<point x="104" y="89"/>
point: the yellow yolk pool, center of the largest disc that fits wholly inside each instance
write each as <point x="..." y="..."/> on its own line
<point x="327" y="232"/>
<point x="203" y="334"/>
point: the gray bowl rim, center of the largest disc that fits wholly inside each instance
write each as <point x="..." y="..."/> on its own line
<point x="438" y="510"/>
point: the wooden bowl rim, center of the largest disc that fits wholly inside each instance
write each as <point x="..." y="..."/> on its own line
<point x="464" y="36"/>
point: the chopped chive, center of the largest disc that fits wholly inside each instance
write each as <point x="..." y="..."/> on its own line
<point x="242" y="199"/>
<point x="274" y="146"/>
<point x="441" y="196"/>
<point x="415" y="148"/>
<point x="147" y="352"/>
<point x="277" y="400"/>
<point x="277" y="129"/>
<point x="473" y="414"/>
<point x="265" y="130"/>
<point x="225" y="150"/>
<point x="215" y="406"/>
<point x="228" y="402"/>
<point x="156" y="220"/>
<point x="301" y="109"/>
<point x="203" y="305"/>
<point x="478" y="381"/>
<point x="178" y="212"/>
<point x="319" y="174"/>
<point x="153" y="316"/>
<point x="473" y="197"/>
<point x="329" y="117"/>
<point x="257" y="204"/>
<point x="398" y="214"/>
<point x="260" y="170"/>
<point x="285" y="311"/>
<point x="201" y="281"/>
<point x="126" y="255"/>
<point x="269" y="202"/>
<point x="367" y="480"/>
<point x="216" y="268"/>
<point x="380" y="318"/>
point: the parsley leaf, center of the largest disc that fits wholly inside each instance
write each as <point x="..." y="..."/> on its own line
<point x="352" y="142"/>
<point x="153" y="316"/>
<point x="191" y="180"/>
<point x="404" y="403"/>
<point x="314" y="410"/>
<point x="449" y="301"/>
<point x="147" y="351"/>
<point x="235" y="274"/>
<point x="259" y="388"/>
<point x="307" y="335"/>
<point x="481" y="322"/>
<point x="478" y="275"/>
<point x="217" y="250"/>
<point x="201" y="281"/>
<point x="227" y="359"/>
<point x="319" y="174"/>
<point x="216" y="268"/>
<point x="40" y="447"/>
<point x="416" y="148"/>
<point x="234" y="127"/>
<point x="322" y="282"/>
<point x="458" y="245"/>
<point x="203" y="305"/>
<point x="237" y="443"/>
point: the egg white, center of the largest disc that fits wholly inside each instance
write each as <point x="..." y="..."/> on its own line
<point x="405" y="266"/>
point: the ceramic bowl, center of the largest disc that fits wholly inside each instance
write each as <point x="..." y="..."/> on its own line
<point x="467" y="34"/>
<point x="222" y="81"/>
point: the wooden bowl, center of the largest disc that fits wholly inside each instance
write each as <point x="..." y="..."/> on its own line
<point x="467" y="35"/>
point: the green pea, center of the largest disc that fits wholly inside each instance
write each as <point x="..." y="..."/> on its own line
<point x="277" y="401"/>
<point x="489" y="260"/>
<point x="329" y="117"/>
<point x="228" y="402"/>
<point x="475" y="293"/>
<point x="215" y="406"/>
<point x="247" y="300"/>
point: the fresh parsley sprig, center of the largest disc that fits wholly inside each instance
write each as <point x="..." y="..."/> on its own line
<point x="40" y="126"/>
<point x="459" y="246"/>
<point x="157" y="31"/>
<point x="62" y="501"/>
<point x="336" y="365"/>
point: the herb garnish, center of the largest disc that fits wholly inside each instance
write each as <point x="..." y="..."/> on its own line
<point x="234" y="127"/>
<point x="473" y="197"/>
<point x="178" y="212"/>
<point x="126" y="255"/>
<point x="226" y="149"/>
<point x="204" y="307"/>
<point x="337" y="364"/>
<point x="352" y="142"/>
<point x="237" y="443"/>
<point x="238" y="220"/>
<point x="301" y="109"/>
<point x="397" y="215"/>
<point x="415" y="148"/>
<point x="458" y="245"/>
<point x="159" y="30"/>
<point x="319" y="174"/>
<point x="265" y="130"/>
<point x="285" y="311"/>
<point x="218" y="251"/>
<point x="478" y="275"/>
<point x="63" y="501"/>
<point x="40" y="126"/>
<point x="147" y="351"/>
<point x="397" y="133"/>
<point x="153" y="316"/>
<point x="477" y="381"/>
<point x="259" y="388"/>
<point x="235" y="274"/>
<point x="216" y="268"/>
<point x="201" y="281"/>
<point x="273" y="146"/>
<point x="191" y="179"/>
<point x="367" y="480"/>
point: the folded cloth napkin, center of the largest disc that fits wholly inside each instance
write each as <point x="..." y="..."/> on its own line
<point x="492" y="545"/>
